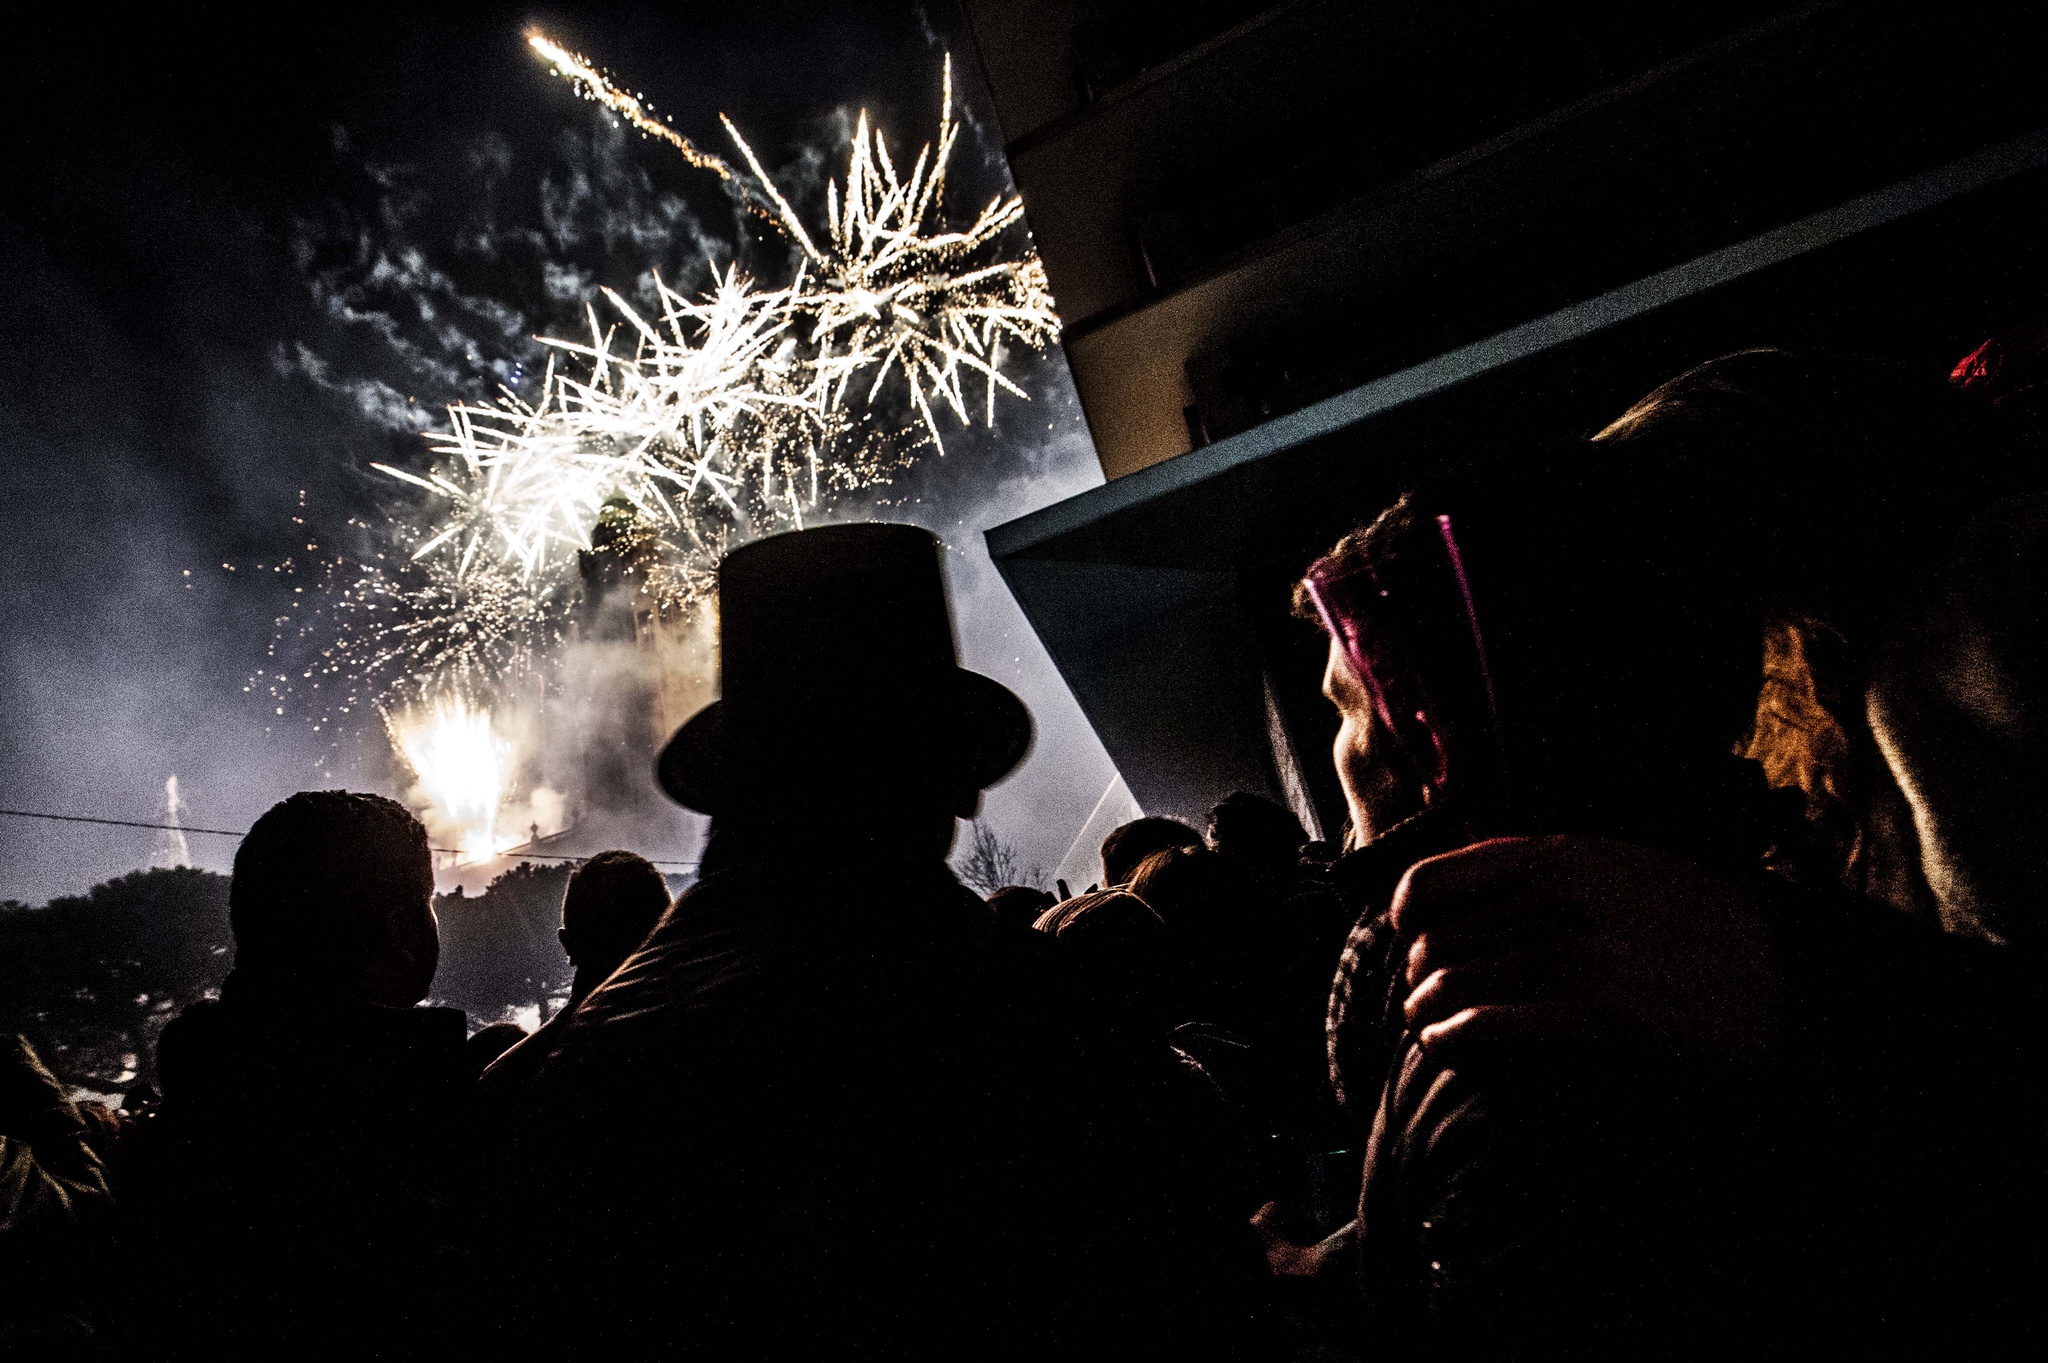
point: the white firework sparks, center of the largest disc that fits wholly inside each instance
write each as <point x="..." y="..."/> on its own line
<point x="727" y="419"/>
<point x="893" y="290"/>
<point x="461" y="766"/>
<point x="669" y="435"/>
<point x="665" y="428"/>
<point x="897" y="291"/>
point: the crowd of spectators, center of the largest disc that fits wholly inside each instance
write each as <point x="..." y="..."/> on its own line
<point x="1669" y="991"/>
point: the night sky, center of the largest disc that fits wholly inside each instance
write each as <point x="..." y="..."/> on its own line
<point x="244" y="260"/>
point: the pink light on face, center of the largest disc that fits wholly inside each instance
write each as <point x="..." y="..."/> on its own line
<point x="1344" y="630"/>
<point x="1408" y="629"/>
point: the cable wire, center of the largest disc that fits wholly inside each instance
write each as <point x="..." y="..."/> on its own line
<point x="232" y="833"/>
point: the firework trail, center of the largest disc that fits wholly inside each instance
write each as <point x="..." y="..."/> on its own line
<point x="592" y="85"/>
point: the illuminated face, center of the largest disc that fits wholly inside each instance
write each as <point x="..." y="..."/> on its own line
<point x="1373" y="789"/>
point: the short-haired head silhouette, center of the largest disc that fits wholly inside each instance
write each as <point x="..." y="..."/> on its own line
<point x="333" y="897"/>
<point x="612" y="903"/>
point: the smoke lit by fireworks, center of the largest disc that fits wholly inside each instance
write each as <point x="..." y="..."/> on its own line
<point x="659" y="441"/>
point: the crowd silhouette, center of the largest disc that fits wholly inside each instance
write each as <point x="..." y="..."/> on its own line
<point x="1670" y="992"/>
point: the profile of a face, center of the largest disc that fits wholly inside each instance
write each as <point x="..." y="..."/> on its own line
<point x="401" y="971"/>
<point x="1375" y="791"/>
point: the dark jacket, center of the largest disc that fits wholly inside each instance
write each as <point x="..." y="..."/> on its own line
<point x="295" y="1188"/>
<point x="832" y="1107"/>
<point x="1848" y="1191"/>
<point x="813" y="1105"/>
<point x="1363" y="996"/>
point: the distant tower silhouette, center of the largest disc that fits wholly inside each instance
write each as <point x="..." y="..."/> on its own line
<point x="170" y="841"/>
<point x="619" y="745"/>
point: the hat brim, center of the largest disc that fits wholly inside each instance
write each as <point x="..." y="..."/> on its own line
<point x="982" y="730"/>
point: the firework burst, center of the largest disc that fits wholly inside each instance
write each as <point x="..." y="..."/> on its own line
<point x="896" y="291"/>
<point x="716" y="419"/>
<point x="461" y="765"/>
<point x="666" y="428"/>
<point x="674" y="431"/>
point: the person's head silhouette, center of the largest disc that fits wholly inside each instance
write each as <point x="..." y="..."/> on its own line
<point x="612" y="903"/>
<point x="333" y="898"/>
<point x="844" y="716"/>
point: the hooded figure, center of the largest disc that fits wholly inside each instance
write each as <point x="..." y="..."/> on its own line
<point x="827" y="1107"/>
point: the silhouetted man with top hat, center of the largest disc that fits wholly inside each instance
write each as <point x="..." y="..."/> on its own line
<point x="824" y="1107"/>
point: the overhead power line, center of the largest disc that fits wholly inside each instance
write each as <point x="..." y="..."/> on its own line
<point x="243" y="833"/>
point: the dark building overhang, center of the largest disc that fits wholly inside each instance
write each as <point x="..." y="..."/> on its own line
<point x="1162" y="596"/>
<point x="1332" y="191"/>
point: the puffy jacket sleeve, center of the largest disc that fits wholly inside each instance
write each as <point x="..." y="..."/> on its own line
<point x="50" y="1179"/>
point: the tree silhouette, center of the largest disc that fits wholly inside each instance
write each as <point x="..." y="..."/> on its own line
<point x="91" y="979"/>
<point x="988" y="863"/>
<point x="498" y="949"/>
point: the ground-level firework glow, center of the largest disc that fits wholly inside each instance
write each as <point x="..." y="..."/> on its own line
<point x="461" y="766"/>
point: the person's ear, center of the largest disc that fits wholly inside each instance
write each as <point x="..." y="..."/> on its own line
<point x="562" y="936"/>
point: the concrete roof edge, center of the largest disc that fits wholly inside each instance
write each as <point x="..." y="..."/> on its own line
<point x="1358" y="405"/>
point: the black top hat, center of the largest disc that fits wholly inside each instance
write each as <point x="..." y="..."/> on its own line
<point x="836" y="660"/>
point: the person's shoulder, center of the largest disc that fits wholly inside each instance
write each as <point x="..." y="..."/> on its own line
<point x="733" y="897"/>
<point x="1030" y="959"/>
<point x="191" y="1039"/>
<point x="522" y="1060"/>
<point x="198" y="1016"/>
<point x="425" y="1028"/>
<point x="440" y="1024"/>
<point x="1849" y="960"/>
